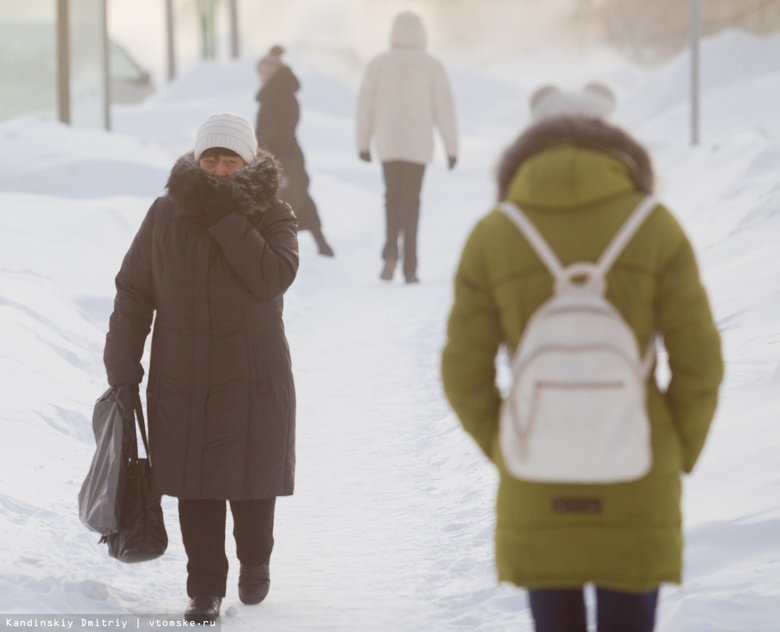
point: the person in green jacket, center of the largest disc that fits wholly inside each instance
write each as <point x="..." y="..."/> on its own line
<point x="578" y="177"/>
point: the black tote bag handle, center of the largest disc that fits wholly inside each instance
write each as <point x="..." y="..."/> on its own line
<point x="141" y="422"/>
<point x="142" y="534"/>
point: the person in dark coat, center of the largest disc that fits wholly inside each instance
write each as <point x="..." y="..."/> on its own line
<point x="210" y="264"/>
<point x="277" y="119"/>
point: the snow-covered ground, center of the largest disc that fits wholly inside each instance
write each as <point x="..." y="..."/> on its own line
<point x="391" y="524"/>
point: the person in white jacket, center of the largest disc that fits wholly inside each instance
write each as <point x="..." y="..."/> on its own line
<point x="404" y="95"/>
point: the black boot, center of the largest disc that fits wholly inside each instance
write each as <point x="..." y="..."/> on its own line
<point x="203" y="609"/>
<point x="254" y="583"/>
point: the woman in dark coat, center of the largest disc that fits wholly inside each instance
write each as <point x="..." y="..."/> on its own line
<point x="277" y="119"/>
<point x="210" y="264"/>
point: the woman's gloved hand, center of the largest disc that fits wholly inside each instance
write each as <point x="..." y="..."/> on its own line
<point x="126" y="395"/>
<point x="214" y="213"/>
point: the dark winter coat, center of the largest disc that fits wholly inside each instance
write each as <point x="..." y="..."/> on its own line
<point x="221" y="400"/>
<point x="578" y="180"/>
<point x="277" y="120"/>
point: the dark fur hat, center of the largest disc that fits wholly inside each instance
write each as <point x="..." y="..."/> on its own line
<point x="579" y="131"/>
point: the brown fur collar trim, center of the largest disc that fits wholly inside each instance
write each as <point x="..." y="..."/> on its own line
<point x="253" y="189"/>
<point x="580" y="131"/>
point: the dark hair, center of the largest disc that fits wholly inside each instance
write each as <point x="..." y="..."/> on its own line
<point x="276" y="50"/>
<point x="216" y="152"/>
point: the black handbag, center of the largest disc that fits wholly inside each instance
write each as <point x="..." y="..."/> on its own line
<point x="141" y="535"/>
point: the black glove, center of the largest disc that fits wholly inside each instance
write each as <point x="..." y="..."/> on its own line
<point x="452" y="161"/>
<point x="213" y="213"/>
<point x="126" y="395"/>
<point x="365" y="156"/>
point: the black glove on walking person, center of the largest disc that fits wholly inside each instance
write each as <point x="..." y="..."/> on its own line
<point x="126" y="395"/>
<point x="452" y="161"/>
<point x="365" y="156"/>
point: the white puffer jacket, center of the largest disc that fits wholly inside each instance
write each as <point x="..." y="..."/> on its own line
<point x="404" y="95"/>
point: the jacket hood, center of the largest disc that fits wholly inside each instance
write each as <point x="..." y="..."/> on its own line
<point x="283" y="81"/>
<point x="248" y="191"/>
<point x="408" y="32"/>
<point x="568" y="161"/>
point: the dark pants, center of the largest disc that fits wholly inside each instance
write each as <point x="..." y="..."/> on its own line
<point x="564" y="611"/>
<point x="403" y="183"/>
<point x="203" y="533"/>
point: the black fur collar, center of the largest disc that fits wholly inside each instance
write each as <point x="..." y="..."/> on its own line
<point x="251" y="190"/>
<point x="580" y="131"/>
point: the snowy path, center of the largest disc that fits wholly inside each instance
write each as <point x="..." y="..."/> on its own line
<point x="377" y="536"/>
<point x="380" y="532"/>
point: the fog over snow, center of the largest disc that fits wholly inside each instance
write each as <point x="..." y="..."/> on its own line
<point x="356" y="29"/>
<point x="391" y="525"/>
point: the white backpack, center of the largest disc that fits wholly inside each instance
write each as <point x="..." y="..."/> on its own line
<point x="576" y="411"/>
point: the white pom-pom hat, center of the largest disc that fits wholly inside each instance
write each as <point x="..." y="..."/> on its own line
<point x="594" y="100"/>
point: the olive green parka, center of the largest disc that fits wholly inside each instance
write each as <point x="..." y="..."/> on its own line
<point x="578" y="180"/>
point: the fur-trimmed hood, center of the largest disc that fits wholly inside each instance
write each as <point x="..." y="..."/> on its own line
<point x="580" y="132"/>
<point x="251" y="190"/>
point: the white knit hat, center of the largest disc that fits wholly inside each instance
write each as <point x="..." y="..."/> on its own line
<point x="229" y="131"/>
<point x="594" y="100"/>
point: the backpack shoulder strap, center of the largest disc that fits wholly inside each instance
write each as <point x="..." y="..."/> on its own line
<point x="608" y="257"/>
<point x="626" y="232"/>
<point x="534" y="238"/>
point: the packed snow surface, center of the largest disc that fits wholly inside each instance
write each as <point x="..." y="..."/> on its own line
<point x="391" y="525"/>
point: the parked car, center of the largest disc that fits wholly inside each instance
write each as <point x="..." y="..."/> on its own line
<point x="29" y="68"/>
<point x="129" y="82"/>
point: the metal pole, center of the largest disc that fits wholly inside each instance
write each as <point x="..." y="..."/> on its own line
<point x="171" y="47"/>
<point x="694" y="72"/>
<point x="210" y="31"/>
<point x="202" y="26"/>
<point x="234" y="43"/>
<point x="212" y="24"/>
<point x="207" y="34"/>
<point x="106" y="68"/>
<point x="63" y="61"/>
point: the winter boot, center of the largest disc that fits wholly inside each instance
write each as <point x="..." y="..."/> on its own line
<point x="387" y="271"/>
<point x="254" y="583"/>
<point x="203" y="609"/>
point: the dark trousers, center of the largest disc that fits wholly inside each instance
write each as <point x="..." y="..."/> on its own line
<point x="564" y="611"/>
<point x="403" y="183"/>
<point x="203" y="533"/>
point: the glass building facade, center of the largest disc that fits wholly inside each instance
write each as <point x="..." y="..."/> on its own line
<point x="53" y="61"/>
